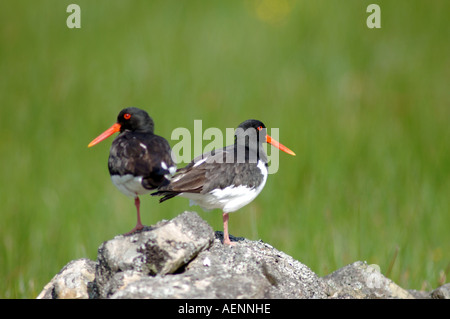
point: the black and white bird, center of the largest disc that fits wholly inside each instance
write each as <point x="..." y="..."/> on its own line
<point x="227" y="178"/>
<point x="139" y="161"/>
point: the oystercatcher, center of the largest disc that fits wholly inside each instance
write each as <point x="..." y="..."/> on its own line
<point x="227" y="178"/>
<point x="139" y="161"/>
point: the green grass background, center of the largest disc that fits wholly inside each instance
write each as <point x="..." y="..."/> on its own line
<point x="367" y="112"/>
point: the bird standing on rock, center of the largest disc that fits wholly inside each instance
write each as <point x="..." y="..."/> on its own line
<point x="139" y="161"/>
<point x="228" y="178"/>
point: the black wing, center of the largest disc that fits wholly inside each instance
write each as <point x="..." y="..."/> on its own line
<point x="211" y="171"/>
<point x="141" y="155"/>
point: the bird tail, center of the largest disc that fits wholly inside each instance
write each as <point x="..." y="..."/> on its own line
<point x="166" y="195"/>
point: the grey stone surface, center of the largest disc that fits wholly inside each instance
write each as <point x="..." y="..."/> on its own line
<point x="362" y="281"/>
<point x="160" y="249"/>
<point x="184" y="258"/>
<point x="71" y="282"/>
<point x="251" y="269"/>
<point x="442" y="292"/>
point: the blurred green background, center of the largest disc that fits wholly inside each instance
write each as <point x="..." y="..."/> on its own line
<point x="366" y="110"/>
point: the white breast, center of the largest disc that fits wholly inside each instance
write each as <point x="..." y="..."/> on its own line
<point x="129" y="185"/>
<point x="231" y="198"/>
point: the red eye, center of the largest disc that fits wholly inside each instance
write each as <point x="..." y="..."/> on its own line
<point x="260" y="128"/>
<point x="127" y="116"/>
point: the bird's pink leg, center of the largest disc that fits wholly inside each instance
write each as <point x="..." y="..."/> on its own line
<point x="139" y="225"/>
<point x="226" y="237"/>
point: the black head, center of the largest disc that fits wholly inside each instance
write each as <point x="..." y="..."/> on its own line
<point x="135" y="120"/>
<point x="252" y="133"/>
<point x="129" y="119"/>
<point x="251" y="129"/>
<point x="257" y="125"/>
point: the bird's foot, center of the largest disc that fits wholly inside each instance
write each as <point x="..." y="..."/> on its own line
<point x="137" y="228"/>
<point x="229" y="242"/>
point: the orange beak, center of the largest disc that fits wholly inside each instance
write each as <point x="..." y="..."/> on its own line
<point x="113" y="129"/>
<point x="278" y="145"/>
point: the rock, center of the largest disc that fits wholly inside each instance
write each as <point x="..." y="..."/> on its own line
<point x="160" y="249"/>
<point x="71" y="282"/>
<point x="442" y="292"/>
<point x="362" y="281"/>
<point x="419" y="294"/>
<point x="251" y="269"/>
<point x="184" y="258"/>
